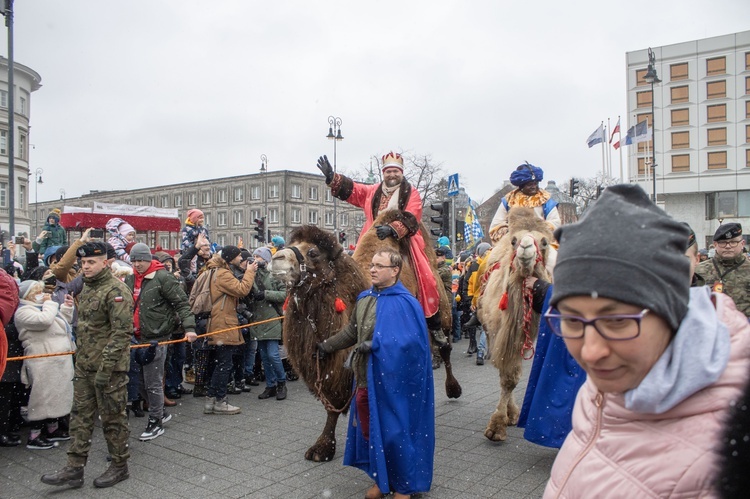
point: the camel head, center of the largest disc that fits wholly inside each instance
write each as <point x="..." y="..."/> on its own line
<point x="308" y="257"/>
<point x="529" y="249"/>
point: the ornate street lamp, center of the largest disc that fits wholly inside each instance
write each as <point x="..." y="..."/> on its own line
<point x="334" y="133"/>
<point x="652" y="78"/>
<point x="264" y="172"/>
<point x="38" y="177"/>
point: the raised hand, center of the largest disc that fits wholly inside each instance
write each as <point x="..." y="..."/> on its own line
<point x="325" y="167"/>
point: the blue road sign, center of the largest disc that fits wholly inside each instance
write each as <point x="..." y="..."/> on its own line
<point x="453" y="185"/>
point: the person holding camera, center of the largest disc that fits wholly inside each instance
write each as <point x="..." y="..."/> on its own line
<point x="53" y="234"/>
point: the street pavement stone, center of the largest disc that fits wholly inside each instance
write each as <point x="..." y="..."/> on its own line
<point x="260" y="452"/>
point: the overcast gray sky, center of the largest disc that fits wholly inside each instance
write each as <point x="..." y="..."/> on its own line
<point x="145" y="93"/>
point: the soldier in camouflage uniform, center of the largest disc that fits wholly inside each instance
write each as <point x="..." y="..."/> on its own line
<point x="105" y="324"/>
<point x="728" y="271"/>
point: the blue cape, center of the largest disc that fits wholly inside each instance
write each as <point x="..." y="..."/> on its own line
<point x="554" y="381"/>
<point x="399" y="455"/>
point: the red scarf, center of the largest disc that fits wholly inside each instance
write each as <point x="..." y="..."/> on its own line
<point x="155" y="265"/>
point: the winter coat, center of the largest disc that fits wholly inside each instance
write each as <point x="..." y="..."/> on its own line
<point x="162" y="305"/>
<point x="8" y="304"/>
<point x="275" y="294"/>
<point x="55" y="237"/>
<point x="189" y="271"/>
<point x="614" y="450"/>
<point x="45" y="328"/>
<point x="225" y="290"/>
<point x="190" y="234"/>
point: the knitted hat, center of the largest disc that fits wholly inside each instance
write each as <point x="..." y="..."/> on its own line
<point x="728" y="231"/>
<point x="526" y="173"/>
<point x="125" y="228"/>
<point x="482" y="248"/>
<point x="193" y="215"/>
<point x="627" y="249"/>
<point x="264" y="253"/>
<point x="278" y="241"/>
<point x="25" y="287"/>
<point x="443" y="241"/>
<point x="140" y="253"/>
<point x="229" y="253"/>
<point x="55" y="213"/>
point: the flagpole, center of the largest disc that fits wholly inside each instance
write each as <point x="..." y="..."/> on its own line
<point x="619" y="138"/>
<point x="609" y="154"/>
<point x="604" y="166"/>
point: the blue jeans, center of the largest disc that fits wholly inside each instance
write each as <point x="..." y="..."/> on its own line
<point x="222" y="370"/>
<point x="456" y="317"/>
<point x="251" y="347"/>
<point x="269" y="354"/>
<point x="175" y="362"/>
<point x="482" y="344"/>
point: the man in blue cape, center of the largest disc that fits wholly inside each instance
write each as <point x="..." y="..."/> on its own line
<point x="391" y="434"/>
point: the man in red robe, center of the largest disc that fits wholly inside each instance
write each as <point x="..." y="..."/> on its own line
<point x="394" y="193"/>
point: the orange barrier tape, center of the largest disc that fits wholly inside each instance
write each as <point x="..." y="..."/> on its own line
<point x="146" y="345"/>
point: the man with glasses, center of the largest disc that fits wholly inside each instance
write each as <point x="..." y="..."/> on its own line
<point x="728" y="271"/>
<point x="391" y="433"/>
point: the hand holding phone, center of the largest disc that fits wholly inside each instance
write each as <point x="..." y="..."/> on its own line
<point x="96" y="234"/>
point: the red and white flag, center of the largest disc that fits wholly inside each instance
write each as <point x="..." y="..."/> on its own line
<point x="614" y="131"/>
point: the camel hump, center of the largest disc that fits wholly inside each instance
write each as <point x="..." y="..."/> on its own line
<point x="522" y="218"/>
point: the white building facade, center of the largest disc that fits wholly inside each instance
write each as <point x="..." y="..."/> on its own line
<point x="701" y="113"/>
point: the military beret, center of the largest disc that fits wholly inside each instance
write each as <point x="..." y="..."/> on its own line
<point x="691" y="238"/>
<point x="728" y="231"/>
<point x="93" y="248"/>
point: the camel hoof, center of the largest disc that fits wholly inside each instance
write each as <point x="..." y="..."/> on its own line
<point x="495" y="436"/>
<point x="452" y="388"/>
<point x="314" y="455"/>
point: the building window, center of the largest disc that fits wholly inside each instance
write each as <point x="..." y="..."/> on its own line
<point x="237" y="217"/>
<point x="716" y="89"/>
<point x="747" y="85"/>
<point x="222" y="218"/>
<point x="21" y="146"/>
<point x="296" y="215"/>
<point x="3" y="195"/>
<point x="273" y="216"/>
<point x="207" y="219"/>
<point x="312" y="217"/>
<point x="150" y="201"/>
<point x="273" y="191"/>
<point x="192" y="199"/>
<point x="22" y="109"/>
<point x="22" y="196"/>
<point x="678" y="71"/>
<point x="643" y="99"/>
<point x="680" y="140"/>
<point x="640" y="79"/>
<point x="717" y="160"/>
<point x="716" y="66"/>
<point x="164" y="242"/>
<point x="221" y="240"/>
<point x="205" y="198"/>
<point x="239" y="194"/>
<point x="254" y="214"/>
<point x="313" y="193"/>
<point x="178" y="200"/>
<point x="641" y="166"/>
<point x="344" y="220"/>
<point x="329" y="196"/>
<point x="679" y="94"/>
<point x="681" y="163"/>
<point x="747" y="60"/>
<point x="4" y="142"/>
<point x="3" y="98"/>
<point x="139" y="202"/>
<point x="717" y="113"/>
<point x="680" y="117"/>
<point x="165" y="201"/>
<point x="747" y="109"/>
<point x="747" y="134"/>
<point x="296" y="191"/>
<point x="255" y="192"/>
<point x="724" y="204"/>
<point x="717" y="136"/>
<point x="329" y="218"/>
<point x="747" y="158"/>
<point x="222" y="194"/>
<point x="237" y="239"/>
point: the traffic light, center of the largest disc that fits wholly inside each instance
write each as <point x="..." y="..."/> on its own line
<point x="574" y="187"/>
<point x="460" y="224"/>
<point x="342" y="237"/>
<point x="442" y="220"/>
<point x="260" y="229"/>
<point x="599" y="190"/>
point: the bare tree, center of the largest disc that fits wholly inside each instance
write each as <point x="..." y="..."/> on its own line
<point x="589" y="189"/>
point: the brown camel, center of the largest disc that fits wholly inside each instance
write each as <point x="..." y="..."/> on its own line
<point x="504" y="307"/>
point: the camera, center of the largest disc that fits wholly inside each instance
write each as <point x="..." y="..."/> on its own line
<point x="96" y="233"/>
<point x="19" y="240"/>
<point x="51" y="280"/>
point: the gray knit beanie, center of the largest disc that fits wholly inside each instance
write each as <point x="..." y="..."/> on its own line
<point x="627" y="249"/>
<point x="140" y="253"/>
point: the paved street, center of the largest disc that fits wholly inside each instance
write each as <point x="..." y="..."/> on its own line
<point x="259" y="453"/>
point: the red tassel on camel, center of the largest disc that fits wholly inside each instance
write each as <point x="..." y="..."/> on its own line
<point x="503" y="305"/>
<point x="339" y="305"/>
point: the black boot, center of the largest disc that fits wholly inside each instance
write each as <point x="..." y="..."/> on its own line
<point x="113" y="475"/>
<point x="268" y="393"/>
<point x="281" y="390"/>
<point x="135" y="406"/>
<point x="472" y="342"/>
<point x="69" y="475"/>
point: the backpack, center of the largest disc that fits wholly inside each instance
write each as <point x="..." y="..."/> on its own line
<point x="200" y="296"/>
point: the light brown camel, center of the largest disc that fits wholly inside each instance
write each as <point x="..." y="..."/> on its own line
<point x="504" y="308"/>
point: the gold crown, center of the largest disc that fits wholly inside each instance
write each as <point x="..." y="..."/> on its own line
<point x="393" y="159"/>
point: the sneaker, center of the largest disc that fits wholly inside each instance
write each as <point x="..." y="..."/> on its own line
<point x="223" y="407"/>
<point x="166" y="417"/>
<point x="233" y="389"/>
<point x="480" y="361"/>
<point x="40" y="443"/>
<point x="153" y="430"/>
<point x="59" y="435"/>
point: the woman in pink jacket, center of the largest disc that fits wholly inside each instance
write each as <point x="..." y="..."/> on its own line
<point x="664" y="361"/>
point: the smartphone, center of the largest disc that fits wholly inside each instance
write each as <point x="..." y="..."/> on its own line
<point x="97" y="233"/>
<point x="6" y="258"/>
<point x="19" y="240"/>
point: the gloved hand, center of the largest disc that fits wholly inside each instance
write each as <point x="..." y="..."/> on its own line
<point x="101" y="380"/>
<point x="325" y="167"/>
<point x="259" y="295"/>
<point x="319" y="353"/>
<point x="384" y="231"/>
<point x="365" y="347"/>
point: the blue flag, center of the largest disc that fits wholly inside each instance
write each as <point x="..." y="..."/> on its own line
<point x="597" y="137"/>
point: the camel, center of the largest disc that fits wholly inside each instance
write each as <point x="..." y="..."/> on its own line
<point x="504" y="307"/>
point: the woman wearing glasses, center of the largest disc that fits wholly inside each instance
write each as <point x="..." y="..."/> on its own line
<point x="664" y="361"/>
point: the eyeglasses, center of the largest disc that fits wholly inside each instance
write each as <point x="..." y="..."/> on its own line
<point x="611" y="327"/>
<point x="377" y="266"/>
<point x="727" y="244"/>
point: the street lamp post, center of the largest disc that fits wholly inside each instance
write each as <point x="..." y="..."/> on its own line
<point x="264" y="172"/>
<point x="652" y="78"/>
<point x="38" y="180"/>
<point x="334" y="133"/>
<point x="62" y="195"/>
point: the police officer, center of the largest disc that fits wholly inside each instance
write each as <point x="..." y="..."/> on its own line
<point x="105" y="324"/>
<point x="728" y="271"/>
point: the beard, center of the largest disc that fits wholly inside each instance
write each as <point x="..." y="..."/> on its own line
<point x="392" y="182"/>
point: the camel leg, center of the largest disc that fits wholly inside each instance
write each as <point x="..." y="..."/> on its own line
<point x="452" y="386"/>
<point x="325" y="447"/>
<point x="507" y="411"/>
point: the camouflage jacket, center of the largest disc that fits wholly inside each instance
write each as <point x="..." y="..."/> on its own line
<point x="105" y="324"/>
<point x="446" y="276"/>
<point x="736" y="283"/>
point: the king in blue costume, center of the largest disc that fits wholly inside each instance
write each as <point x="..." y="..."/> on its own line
<point x="399" y="453"/>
